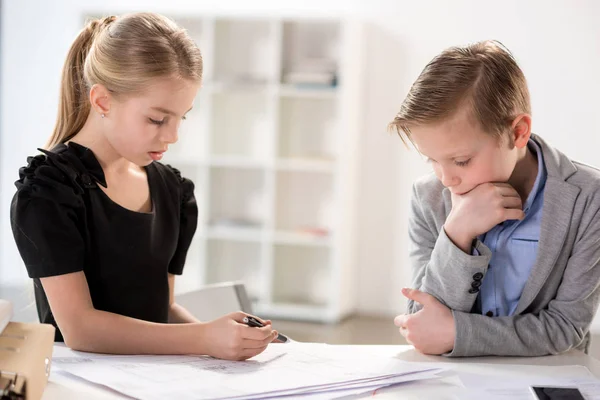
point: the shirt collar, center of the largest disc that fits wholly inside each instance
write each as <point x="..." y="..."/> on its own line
<point x="540" y="179"/>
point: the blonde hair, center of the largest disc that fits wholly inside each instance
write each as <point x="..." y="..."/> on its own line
<point x="483" y="76"/>
<point x="124" y="54"/>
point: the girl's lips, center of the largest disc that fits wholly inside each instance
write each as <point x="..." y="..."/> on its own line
<point x="156" y="155"/>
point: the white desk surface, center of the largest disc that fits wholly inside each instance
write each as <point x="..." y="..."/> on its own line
<point x="66" y="387"/>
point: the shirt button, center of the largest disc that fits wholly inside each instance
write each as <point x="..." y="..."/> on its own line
<point x="86" y="180"/>
<point x="478" y="276"/>
<point x="489" y="314"/>
<point x="475" y="284"/>
<point x="473" y="290"/>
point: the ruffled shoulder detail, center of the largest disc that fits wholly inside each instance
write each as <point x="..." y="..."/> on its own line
<point x="72" y="165"/>
<point x="186" y="186"/>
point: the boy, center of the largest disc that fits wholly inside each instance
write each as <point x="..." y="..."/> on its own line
<point x="505" y="237"/>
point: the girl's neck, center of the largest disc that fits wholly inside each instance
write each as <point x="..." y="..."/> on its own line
<point x="92" y="137"/>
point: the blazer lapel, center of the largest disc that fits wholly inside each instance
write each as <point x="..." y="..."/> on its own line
<point x="559" y="202"/>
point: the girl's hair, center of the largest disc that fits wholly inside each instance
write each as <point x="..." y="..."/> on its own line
<point x="483" y="77"/>
<point x="124" y="54"/>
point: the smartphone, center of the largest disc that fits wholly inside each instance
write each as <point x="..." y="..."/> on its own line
<point x="556" y="393"/>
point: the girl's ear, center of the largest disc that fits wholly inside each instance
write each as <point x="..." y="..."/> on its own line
<point x="521" y="130"/>
<point x="100" y="99"/>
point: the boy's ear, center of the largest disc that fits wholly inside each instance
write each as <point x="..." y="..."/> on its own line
<point x="100" y="98"/>
<point x="521" y="130"/>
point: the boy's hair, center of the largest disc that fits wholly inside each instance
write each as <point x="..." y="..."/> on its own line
<point x="483" y="77"/>
<point x="124" y="54"/>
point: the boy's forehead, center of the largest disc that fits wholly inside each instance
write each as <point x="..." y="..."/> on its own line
<point x="440" y="152"/>
<point x="447" y="140"/>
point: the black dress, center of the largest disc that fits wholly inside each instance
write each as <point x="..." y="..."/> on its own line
<point x="63" y="222"/>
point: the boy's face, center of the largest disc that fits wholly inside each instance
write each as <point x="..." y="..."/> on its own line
<point x="144" y="126"/>
<point x="463" y="156"/>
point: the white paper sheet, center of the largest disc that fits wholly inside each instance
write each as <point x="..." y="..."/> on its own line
<point x="516" y="386"/>
<point x="345" y="389"/>
<point x="283" y="369"/>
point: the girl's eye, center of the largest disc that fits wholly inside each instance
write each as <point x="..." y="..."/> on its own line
<point x="462" y="163"/>
<point x="183" y="118"/>
<point x="156" y="122"/>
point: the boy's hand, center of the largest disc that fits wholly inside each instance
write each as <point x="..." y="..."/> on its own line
<point x="430" y="330"/>
<point x="478" y="211"/>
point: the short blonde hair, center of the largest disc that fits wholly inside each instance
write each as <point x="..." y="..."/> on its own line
<point x="483" y="76"/>
<point x="125" y="54"/>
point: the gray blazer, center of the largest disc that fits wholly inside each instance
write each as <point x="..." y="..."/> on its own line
<point x="562" y="292"/>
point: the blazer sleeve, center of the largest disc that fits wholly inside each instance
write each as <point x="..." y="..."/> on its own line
<point x="439" y="267"/>
<point x="563" y="324"/>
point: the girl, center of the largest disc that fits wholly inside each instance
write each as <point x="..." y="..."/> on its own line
<point x="102" y="226"/>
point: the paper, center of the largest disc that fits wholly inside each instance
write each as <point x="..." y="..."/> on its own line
<point x="515" y="385"/>
<point x="334" y="391"/>
<point x="350" y="391"/>
<point x="283" y="369"/>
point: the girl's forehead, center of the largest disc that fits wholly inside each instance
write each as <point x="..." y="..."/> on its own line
<point x="166" y="94"/>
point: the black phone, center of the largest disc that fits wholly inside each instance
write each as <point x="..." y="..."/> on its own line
<point x="556" y="393"/>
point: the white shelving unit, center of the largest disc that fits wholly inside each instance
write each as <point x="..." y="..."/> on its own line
<point x="271" y="146"/>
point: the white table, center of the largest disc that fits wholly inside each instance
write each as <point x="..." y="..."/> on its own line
<point x="66" y="387"/>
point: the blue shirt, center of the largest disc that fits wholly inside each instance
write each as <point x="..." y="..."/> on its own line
<point x="514" y="246"/>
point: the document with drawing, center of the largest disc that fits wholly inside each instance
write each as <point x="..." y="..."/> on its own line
<point x="283" y="369"/>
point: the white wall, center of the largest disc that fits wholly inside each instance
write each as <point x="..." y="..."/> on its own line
<point x="557" y="44"/>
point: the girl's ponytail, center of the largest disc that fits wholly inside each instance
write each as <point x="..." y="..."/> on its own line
<point x="74" y="107"/>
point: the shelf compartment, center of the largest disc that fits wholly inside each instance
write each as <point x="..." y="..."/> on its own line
<point x="301" y="275"/>
<point x="236" y="162"/>
<point x="244" y="51"/>
<point x="235" y="233"/>
<point x="307" y="128"/>
<point x="311" y="53"/>
<point x="307" y="91"/>
<point x="234" y="261"/>
<point x="302" y="238"/>
<point x="304" y="201"/>
<point x="241" y="125"/>
<point x="323" y="165"/>
<point x="237" y="198"/>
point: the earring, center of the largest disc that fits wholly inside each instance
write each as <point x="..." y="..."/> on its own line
<point x="102" y="115"/>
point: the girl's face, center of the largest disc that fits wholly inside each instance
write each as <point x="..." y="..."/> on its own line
<point x="141" y="127"/>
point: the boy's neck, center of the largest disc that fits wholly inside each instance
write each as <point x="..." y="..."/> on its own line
<point x="524" y="174"/>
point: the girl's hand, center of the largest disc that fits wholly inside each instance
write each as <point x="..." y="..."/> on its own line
<point x="229" y="338"/>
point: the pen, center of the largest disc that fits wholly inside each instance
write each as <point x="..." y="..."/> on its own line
<point x="253" y="322"/>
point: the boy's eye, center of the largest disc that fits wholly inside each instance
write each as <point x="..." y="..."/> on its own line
<point x="156" y="122"/>
<point x="462" y="163"/>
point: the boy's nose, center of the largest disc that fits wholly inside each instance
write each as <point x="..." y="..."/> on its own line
<point x="449" y="180"/>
